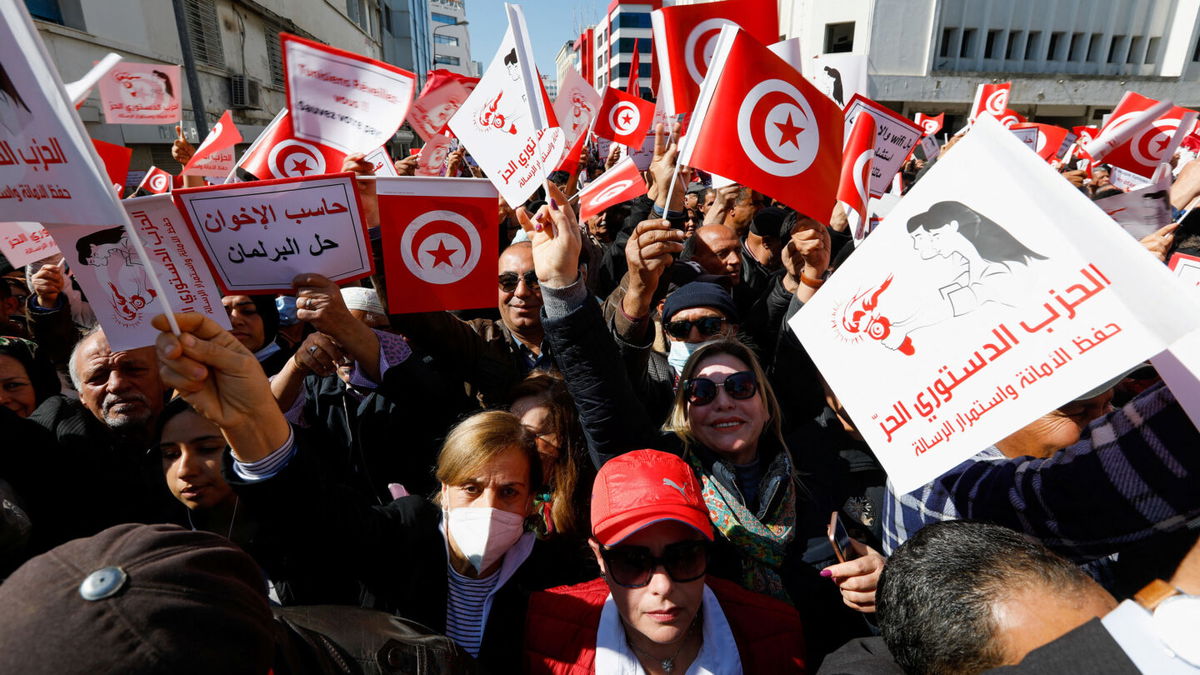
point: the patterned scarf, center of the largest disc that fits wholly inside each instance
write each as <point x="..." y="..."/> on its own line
<point x="762" y="544"/>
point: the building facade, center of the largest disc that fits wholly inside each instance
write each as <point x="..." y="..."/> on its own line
<point x="235" y="44"/>
<point x="625" y="23"/>
<point x="1069" y="60"/>
<point x="406" y="38"/>
<point x="451" y="42"/>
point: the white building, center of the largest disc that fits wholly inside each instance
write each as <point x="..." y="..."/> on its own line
<point x="235" y="44"/>
<point x="1069" y="60"/>
<point x="451" y="42"/>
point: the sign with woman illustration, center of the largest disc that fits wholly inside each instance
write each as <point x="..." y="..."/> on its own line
<point x="993" y="292"/>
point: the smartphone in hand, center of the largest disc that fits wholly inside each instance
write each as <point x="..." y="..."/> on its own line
<point x="840" y="540"/>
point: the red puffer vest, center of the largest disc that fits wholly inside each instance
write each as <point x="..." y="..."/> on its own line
<point x="561" y="624"/>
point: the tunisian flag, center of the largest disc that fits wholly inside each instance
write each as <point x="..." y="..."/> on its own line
<point x="1150" y="141"/>
<point x="156" y="182"/>
<point x="856" y="174"/>
<point x="1050" y="139"/>
<point x="929" y="124"/>
<point x="440" y="243"/>
<point x="214" y="157"/>
<point x="277" y="153"/>
<point x="619" y="184"/>
<point x="683" y="42"/>
<point x="116" y="160"/>
<point x="991" y="99"/>
<point x="765" y="126"/>
<point x="623" y="118"/>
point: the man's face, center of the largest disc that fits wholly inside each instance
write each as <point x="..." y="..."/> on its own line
<point x="742" y="213"/>
<point x="719" y="253"/>
<point x="598" y="227"/>
<point x="520" y="308"/>
<point x="709" y="198"/>
<point x="766" y="249"/>
<point x="121" y="389"/>
<point x="690" y="200"/>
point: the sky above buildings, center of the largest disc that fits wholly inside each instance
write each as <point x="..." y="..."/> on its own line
<point x="551" y="23"/>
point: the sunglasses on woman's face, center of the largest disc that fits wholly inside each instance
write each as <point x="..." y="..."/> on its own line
<point x="702" y="391"/>
<point x="509" y="280"/>
<point x="633" y="566"/>
<point x="708" y="327"/>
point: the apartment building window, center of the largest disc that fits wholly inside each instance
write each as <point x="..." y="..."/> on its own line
<point x="633" y="20"/>
<point x="443" y="18"/>
<point x="839" y="37"/>
<point x="271" y="31"/>
<point x="1115" y="47"/>
<point x="948" y="36"/>
<point x="445" y="40"/>
<point x="967" y="48"/>
<point x="1152" y="50"/>
<point x="1010" y="52"/>
<point x="360" y="12"/>
<point x="643" y="70"/>
<point x="1052" y="47"/>
<point x="62" y="12"/>
<point x="203" y="32"/>
<point x="992" y="45"/>
<point x="444" y="60"/>
<point x="1078" y="44"/>
<point x="1032" y="44"/>
<point x="1093" y="50"/>
<point x="1135" y="48"/>
<point x="625" y="46"/>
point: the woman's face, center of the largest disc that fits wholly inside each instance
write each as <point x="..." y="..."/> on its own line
<point x="246" y="322"/>
<point x="16" y="389"/>
<point x="502" y="483"/>
<point x="535" y="415"/>
<point x="663" y="610"/>
<point x="192" y="448"/>
<point x="728" y="426"/>
<point x="940" y="242"/>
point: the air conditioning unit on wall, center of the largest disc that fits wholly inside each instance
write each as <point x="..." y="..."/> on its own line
<point x="244" y="92"/>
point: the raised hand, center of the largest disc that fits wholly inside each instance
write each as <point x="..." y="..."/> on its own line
<point x="556" y="239"/>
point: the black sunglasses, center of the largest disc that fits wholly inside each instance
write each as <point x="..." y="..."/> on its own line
<point x="702" y="391"/>
<point x="633" y="566"/>
<point x="509" y="280"/>
<point x="708" y="326"/>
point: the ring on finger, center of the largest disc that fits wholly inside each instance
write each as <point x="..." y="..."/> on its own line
<point x="312" y="349"/>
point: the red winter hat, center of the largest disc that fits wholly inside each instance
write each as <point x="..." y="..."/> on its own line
<point x="644" y="487"/>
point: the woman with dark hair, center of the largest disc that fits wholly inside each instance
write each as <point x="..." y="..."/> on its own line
<point x="26" y="378"/>
<point x="255" y="322"/>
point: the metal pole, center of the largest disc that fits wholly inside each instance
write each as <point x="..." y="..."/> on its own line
<point x="189" y="67"/>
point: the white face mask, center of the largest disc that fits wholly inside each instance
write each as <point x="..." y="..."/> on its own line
<point x="681" y="352"/>
<point x="484" y="535"/>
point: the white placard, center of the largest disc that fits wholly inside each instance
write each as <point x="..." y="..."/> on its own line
<point x="23" y="243"/>
<point x="895" y="137"/>
<point x="258" y="236"/>
<point x="993" y="293"/>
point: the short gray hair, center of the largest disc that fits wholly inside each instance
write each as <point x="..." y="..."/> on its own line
<point x="72" y="362"/>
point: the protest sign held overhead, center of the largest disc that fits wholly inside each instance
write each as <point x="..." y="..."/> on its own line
<point x="432" y="159"/>
<point x="381" y="162"/>
<point x="508" y="123"/>
<point x="440" y="243"/>
<point x="49" y="170"/>
<point x="841" y="77"/>
<point x="141" y="93"/>
<point x="23" y="243"/>
<point x="685" y="38"/>
<point x="256" y="237"/>
<point x="985" y="307"/>
<point x="79" y="90"/>
<point x="277" y="153"/>
<point x="440" y="98"/>
<point x="767" y="127"/>
<point x="1049" y="141"/>
<point x="341" y="99"/>
<point x="576" y="105"/>
<point x="895" y="138"/>
<point x="623" y="118"/>
<point x="214" y="157"/>
<point x="619" y="184"/>
<point x="1142" y="210"/>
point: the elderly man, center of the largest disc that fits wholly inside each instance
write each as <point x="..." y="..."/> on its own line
<point x="102" y="439"/>
<point x="490" y="356"/>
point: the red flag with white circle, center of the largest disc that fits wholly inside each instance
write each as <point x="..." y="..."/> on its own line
<point x="1149" y="143"/>
<point x="685" y="36"/>
<point x="991" y="99"/>
<point x="930" y="124"/>
<point x="853" y="187"/>
<point x="623" y="118"/>
<point x="156" y="181"/>
<point x="215" y="157"/>
<point x="440" y="243"/>
<point x="764" y="125"/>
<point x="277" y="153"/>
<point x="619" y="184"/>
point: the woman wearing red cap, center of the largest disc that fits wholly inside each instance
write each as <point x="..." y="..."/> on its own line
<point x="655" y="610"/>
<point x="725" y="423"/>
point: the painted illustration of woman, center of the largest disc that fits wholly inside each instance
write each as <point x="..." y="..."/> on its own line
<point x="119" y="269"/>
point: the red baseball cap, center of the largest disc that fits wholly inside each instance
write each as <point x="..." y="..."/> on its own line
<point x="644" y="487"/>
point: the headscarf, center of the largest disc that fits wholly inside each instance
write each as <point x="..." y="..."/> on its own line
<point x="39" y="369"/>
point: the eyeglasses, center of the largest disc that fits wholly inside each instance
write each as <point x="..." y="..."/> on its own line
<point x="708" y="326"/>
<point x="509" y="280"/>
<point x="633" y="566"/>
<point x="702" y="391"/>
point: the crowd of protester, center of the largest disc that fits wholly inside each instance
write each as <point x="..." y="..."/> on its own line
<point x="629" y="464"/>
